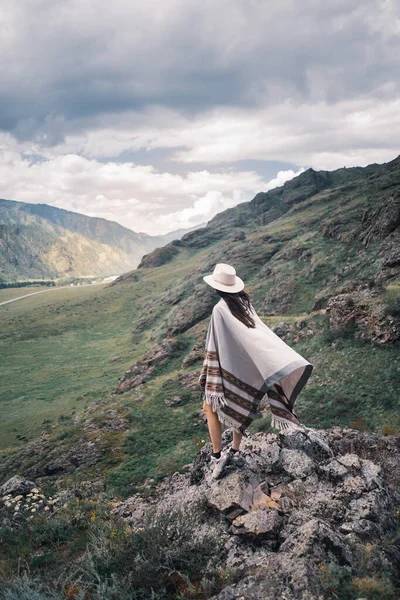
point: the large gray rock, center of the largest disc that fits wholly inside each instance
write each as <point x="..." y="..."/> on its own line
<point x="313" y="443"/>
<point x="382" y="450"/>
<point x="366" y="312"/>
<point x="258" y="525"/>
<point x="17" y="485"/>
<point x="317" y="539"/>
<point x="295" y="463"/>
<point x="231" y="495"/>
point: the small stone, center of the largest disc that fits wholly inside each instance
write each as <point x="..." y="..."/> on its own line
<point x="276" y="494"/>
<point x="261" y="524"/>
<point x="346" y="528"/>
<point x="296" y="463"/>
<point x="262" y="500"/>
<point x="351" y="461"/>
<point x="285" y="503"/>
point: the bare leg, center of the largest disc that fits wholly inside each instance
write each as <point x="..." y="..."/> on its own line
<point x="214" y="427"/>
<point x="237" y="438"/>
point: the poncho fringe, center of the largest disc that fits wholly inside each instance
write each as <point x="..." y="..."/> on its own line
<point x="216" y="401"/>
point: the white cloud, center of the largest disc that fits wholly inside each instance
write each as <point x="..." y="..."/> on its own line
<point x="136" y="196"/>
<point x="214" y="202"/>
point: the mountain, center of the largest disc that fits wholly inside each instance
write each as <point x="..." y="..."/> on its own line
<point x="296" y="247"/>
<point x="102" y="410"/>
<point x="42" y="241"/>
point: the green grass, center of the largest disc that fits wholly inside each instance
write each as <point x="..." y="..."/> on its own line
<point x="349" y="381"/>
<point x="55" y="355"/>
<point x="163" y="438"/>
<point x="10" y="293"/>
<point x="55" y="348"/>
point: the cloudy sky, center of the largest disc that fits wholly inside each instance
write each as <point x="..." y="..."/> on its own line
<point x="160" y="114"/>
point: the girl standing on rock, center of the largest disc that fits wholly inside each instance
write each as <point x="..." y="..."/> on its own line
<point x="244" y="360"/>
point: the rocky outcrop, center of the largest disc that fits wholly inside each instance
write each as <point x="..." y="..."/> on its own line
<point x="301" y="507"/>
<point x="159" y="256"/>
<point x="378" y="223"/>
<point x="192" y="310"/>
<point x="306" y="516"/>
<point x="364" y="310"/>
<point x="195" y="355"/>
<point x="305" y="185"/>
<point x="21" y="500"/>
<point x="43" y="458"/>
<point x="140" y="371"/>
<point x="110" y="420"/>
<point x="389" y="252"/>
<point x="17" y="485"/>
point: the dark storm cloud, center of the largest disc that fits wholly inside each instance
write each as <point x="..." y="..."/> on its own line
<point x="64" y="65"/>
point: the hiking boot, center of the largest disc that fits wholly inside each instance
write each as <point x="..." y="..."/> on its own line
<point x="218" y="465"/>
<point x="237" y="458"/>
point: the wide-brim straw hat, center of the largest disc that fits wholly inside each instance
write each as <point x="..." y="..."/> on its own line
<point x="224" y="278"/>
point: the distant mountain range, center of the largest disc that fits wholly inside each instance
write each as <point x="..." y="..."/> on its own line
<point x="41" y="241"/>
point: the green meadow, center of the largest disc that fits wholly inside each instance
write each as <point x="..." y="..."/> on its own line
<point x="56" y="348"/>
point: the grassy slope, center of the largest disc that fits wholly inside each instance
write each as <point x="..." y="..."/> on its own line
<point x="9" y="293"/>
<point x="55" y="352"/>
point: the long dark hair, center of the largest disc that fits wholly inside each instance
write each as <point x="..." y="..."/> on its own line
<point x="239" y="304"/>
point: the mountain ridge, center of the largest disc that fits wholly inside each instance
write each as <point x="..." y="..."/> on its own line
<point x="39" y="240"/>
<point x="268" y="206"/>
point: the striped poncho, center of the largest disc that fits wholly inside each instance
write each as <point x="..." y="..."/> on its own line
<point x="242" y="364"/>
